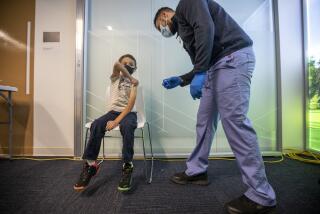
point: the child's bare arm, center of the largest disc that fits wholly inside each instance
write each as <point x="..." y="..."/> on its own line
<point x="117" y="68"/>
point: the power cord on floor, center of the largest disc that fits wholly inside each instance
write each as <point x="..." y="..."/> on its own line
<point x="159" y="159"/>
<point x="276" y="161"/>
<point x="303" y="156"/>
<point x="42" y="159"/>
<point x="52" y="159"/>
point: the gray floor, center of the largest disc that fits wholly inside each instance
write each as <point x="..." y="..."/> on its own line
<point x="46" y="187"/>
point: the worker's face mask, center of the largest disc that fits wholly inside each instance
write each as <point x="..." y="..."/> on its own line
<point x="130" y="69"/>
<point x="165" y="30"/>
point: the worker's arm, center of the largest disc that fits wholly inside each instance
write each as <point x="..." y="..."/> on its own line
<point x="117" y="68"/>
<point x="186" y="78"/>
<point x="132" y="99"/>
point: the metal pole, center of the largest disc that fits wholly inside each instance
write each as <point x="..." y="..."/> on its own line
<point x="10" y="123"/>
<point x="79" y="78"/>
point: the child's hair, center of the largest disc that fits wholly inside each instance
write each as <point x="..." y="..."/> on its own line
<point x="129" y="56"/>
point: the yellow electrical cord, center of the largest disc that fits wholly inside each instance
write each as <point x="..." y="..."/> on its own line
<point x="42" y="159"/>
<point x="159" y="159"/>
<point x="276" y="161"/>
<point x="303" y="156"/>
<point x="51" y="159"/>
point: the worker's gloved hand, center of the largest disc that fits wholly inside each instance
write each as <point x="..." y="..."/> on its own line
<point x="197" y="84"/>
<point x="171" y="82"/>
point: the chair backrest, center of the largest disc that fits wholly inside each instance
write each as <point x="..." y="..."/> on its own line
<point x="139" y="104"/>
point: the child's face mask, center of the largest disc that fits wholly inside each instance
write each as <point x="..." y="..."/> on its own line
<point x="130" y="69"/>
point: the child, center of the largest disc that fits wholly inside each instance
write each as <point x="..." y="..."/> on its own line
<point x="123" y="96"/>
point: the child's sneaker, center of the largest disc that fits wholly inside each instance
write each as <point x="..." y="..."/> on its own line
<point x="126" y="178"/>
<point x="87" y="173"/>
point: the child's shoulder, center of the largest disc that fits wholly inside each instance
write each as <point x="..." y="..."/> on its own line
<point x="114" y="78"/>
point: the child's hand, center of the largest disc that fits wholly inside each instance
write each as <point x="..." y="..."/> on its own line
<point x="111" y="125"/>
<point x="134" y="81"/>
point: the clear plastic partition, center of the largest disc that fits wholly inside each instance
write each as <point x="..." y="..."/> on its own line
<point x="117" y="27"/>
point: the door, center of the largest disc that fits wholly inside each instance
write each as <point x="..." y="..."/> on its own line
<point x="14" y="18"/>
<point x="312" y="36"/>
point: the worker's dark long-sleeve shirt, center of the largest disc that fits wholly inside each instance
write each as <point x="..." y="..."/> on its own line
<point x="208" y="33"/>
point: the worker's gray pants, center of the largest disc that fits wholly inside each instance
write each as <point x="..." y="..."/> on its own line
<point x="225" y="96"/>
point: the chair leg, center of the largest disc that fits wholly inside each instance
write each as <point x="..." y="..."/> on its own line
<point x="85" y="140"/>
<point x="103" y="148"/>
<point x="100" y="162"/>
<point x="151" y="169"/>
<point x="144" y="156"/>
<point x="10" y="124"/>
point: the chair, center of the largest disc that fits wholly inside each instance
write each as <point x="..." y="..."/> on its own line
<point x="139" y="104"/>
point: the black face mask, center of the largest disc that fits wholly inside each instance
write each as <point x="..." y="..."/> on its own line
<point x="174" y="26"/>
<point x="130" y="69"/>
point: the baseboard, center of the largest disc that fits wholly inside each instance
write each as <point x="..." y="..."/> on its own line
<point x="39" y="151"/>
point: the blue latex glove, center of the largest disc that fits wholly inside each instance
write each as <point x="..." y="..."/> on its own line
<point x="197" y="84"/>
<point x="171" y="82"/>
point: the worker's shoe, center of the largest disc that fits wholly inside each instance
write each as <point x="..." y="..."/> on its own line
<point x="247" y="206"/>
<point x="87" y="173"/>
<point x="182" y="178"/>
<point x="126" y="178"/>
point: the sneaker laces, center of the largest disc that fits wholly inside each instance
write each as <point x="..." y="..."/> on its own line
<point x="126" y="172"/>
<point x="87" y="171"/>
<point x="84" y="174"/>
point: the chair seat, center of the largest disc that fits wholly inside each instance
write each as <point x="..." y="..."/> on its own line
<point x="88" y="125"/>
<point x="140" y="125"/>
